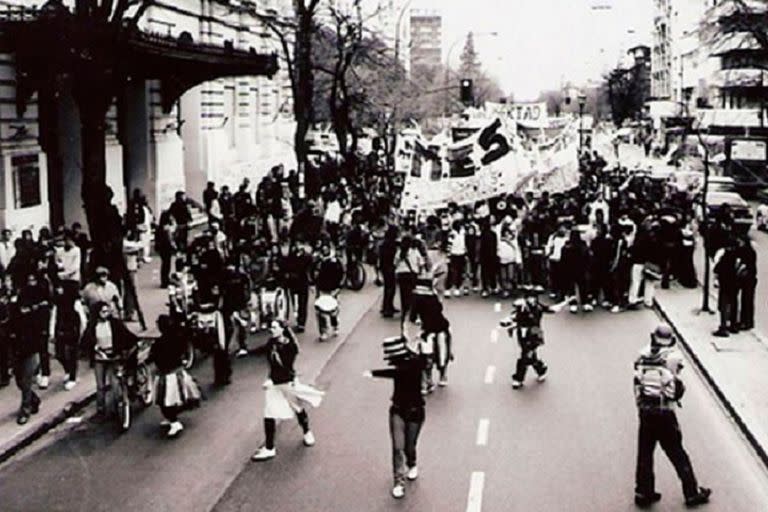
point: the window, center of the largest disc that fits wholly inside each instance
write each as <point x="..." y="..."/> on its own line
<point x="26" y="181"/>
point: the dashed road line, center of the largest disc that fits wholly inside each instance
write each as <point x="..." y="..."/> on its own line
<point x="475" y="499"/>
<point x="482" y="431"/>
<point x="497" y="307"/>
<point x="490" y="374"/>
<point x="494" y="335"/>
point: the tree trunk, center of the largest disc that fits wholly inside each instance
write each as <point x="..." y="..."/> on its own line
<point x="304" y="91"/>
<point x="104" y="222"/>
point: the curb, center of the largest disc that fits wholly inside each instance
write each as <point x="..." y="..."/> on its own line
<point x="343" y="340"/>
<point x="55" y="419"/>
<point x="737" y="418"/>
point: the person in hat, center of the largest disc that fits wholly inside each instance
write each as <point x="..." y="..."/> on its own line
<point x="658" y="390"/>
<point x="525" y="323"/>
<point x="285" y="397"/>
<point x="407" y="412"/>
<point x="101" y="289"/>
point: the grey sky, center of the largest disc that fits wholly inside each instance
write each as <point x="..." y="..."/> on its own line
<point x="541" y="43"/>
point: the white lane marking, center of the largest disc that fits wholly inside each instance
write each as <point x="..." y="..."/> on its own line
<point x="475" y="500"/>
<point x="490" y="374"/>
<point x="494" y="335"/>
<point x="497" y="307"/>
<point x="482" y="431"/>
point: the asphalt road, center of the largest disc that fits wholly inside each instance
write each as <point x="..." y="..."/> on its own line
<point x="564" y="445"/>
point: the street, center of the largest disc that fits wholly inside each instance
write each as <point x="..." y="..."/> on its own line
<point x="568" y="440"/>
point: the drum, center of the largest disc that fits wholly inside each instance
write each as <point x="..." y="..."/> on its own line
<point x="327" y="304"/>
<point x="274" y="304"/>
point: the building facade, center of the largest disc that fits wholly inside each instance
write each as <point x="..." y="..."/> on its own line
<point x="220" y="130"/>
<point x="426" y="39"/>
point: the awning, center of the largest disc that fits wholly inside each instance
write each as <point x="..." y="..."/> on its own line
<point x="741" y="78"/>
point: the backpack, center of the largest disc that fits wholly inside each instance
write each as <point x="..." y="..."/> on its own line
<point x="656" y="383"/>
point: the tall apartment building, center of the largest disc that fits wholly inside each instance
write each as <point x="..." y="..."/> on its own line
<point x="426" y="39"/>
<point x="204" y="102"/>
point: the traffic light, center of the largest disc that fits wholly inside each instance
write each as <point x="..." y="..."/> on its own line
<point x="467" y="92"/>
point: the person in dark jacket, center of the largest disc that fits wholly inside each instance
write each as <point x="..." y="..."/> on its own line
<point x="285" y="396"/>
<point x="105" y="339"/>
<point x="407" y="412"/>
<point x="746" y="280"/>
<point x="165" y="244"/>
<point x="601" y="249"/>
<point x="328" y="281"/>
<point x="727" y="297"/>
<point x="575" y="264"/>
<point x="67" y="329"/>
<point x="435" y="344"/>
<point x="31" y="314"/>
<point x="179" y="210"/>
<point x="236" y="296"/>
<point x="387" y="254"/>
<point x="297" y="267"/>
<point x="176" y="390"/>
<point x="489" y="258"/>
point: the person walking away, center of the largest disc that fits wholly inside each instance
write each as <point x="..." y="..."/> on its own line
<point x="575" y="260"/>
<point x="165" y="244"/>
<point x="285" y="396"/>
<point x="620" y="269"/>
<point x="179" y="210"/>
<point x="298" y="265"/>
<point x="409" y="264"/>
<point x="330" y="276"/>
<point x="30" y="324"/>
<point x="472" y="237"/>
<point x="407" y="412"/>
<point x="746" y="280"/>
<point x="686" y="271"/>
<point x="176" y="390"/>
<point x="658" y="390"/>
<point x="69" y="322"/>
<point x="105" y="339"/>
<point x="387" y="255"/>
<point x="600" y="262"/>
<point x="6" y="334"/>
<point x="435" y="339"/>
<point x="210" y="194"/>
<point x="727" y="297"/>
<point x="457" y="251"/>
<point x="489" y="258"/>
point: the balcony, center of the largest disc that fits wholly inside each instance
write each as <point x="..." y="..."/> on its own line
<point x="728" y="78"/>
<point x="744" y="117"/>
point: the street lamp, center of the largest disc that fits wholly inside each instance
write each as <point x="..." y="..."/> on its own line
<point x="448" y="61"/>
<point x="582" y="103"/>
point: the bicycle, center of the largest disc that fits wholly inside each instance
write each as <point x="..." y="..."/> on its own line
<point x="125" y="387"/>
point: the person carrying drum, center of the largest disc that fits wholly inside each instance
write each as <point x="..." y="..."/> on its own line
<point x="328" y="280"/>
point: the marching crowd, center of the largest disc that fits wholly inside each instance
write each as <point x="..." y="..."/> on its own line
<point x="604" y="243"/>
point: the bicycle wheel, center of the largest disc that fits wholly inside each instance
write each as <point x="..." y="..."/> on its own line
<point x="145" y="384"/>
<point x="123" y="404"/>
<point x="356" y="277"/>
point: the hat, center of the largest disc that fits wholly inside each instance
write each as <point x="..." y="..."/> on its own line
<point x="395" y="348"/>
<point x="101" y="270"/>
<point x="663" y="335"/>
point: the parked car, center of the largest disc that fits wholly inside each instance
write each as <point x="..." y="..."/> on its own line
<point x="742" y="212"/>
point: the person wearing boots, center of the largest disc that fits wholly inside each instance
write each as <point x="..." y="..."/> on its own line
<point x="658" y="390"/>
<point x="286" y="397"/>
<point x="407" y="412"/>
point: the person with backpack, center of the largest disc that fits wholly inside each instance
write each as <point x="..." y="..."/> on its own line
<point x="658" y="390"/>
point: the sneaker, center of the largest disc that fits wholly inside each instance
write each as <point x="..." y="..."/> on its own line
<point x="587" y="308"/>
<point x="721" y="333"/>
<point x="398" y="491"/>
<point x="70" y="385"/>
<point x="553" y="295"/>
<point x="165" y="423"/>
<point x="241" y="353"/>
<point x="309" y="439"/>
<point x="646" y="500"/>
<point x="542" y="377"/>
<point x="43" y="381"/>
<point x="699" y="498"/>
<point x="443" y="382"/>
<point x="574" y="308"/>
<point x="175" y="429"/>
<point x="22" y="419"/>
<point x="457" y="293"/>
<point x="323" y="336"/>
<point x="484" y="294"/>
<point x="447" y="294"/>
<point x="299" y="329"/>
<point x="413" y="473"/>
<point x="466" y="292"/>
<point x="615" y="309"/>
<point x="335" y="332"/>
<point x="148" y="259"/>
<point x="606" y="304"/>
<point x="516" y="384"/>
<point x="264" y="453"/>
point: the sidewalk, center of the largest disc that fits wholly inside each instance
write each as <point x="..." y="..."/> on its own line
<point x="735" y="367"/>
<point x="59" y="406"/>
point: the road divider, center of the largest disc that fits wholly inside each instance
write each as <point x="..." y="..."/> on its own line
<point x="475" y="499"/>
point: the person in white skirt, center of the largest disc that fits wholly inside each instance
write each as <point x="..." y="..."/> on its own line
<point x="285" y="397"/>
<point x="176" y="390"/>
